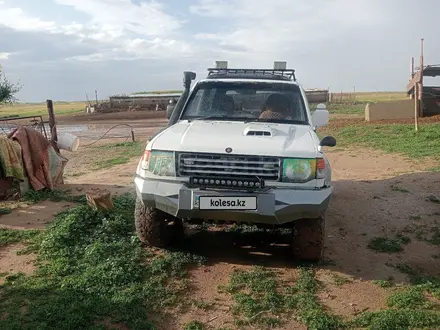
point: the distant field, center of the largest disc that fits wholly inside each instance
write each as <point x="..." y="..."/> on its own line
<point x="369" y="96"/>
<point x="160" y="92"/>
<point x="70" y="108"/>
<point x="36" y="109"/>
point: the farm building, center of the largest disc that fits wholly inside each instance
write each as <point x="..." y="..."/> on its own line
<point x="149" y="101"/>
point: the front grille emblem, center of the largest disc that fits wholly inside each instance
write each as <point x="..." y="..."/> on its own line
<point x="228" y="150"/>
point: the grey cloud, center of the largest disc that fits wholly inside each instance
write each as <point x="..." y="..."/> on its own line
<point x="37" y="47"/>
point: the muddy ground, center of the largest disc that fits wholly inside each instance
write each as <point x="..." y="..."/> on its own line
<point x="375" y="195"/>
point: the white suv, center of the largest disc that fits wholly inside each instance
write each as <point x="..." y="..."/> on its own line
<point x="240" y="147"/>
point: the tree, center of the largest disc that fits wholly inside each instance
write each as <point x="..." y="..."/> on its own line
<point x="7" y="89"/>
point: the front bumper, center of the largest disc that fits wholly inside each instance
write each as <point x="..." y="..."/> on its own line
<point x="276" y="206"/>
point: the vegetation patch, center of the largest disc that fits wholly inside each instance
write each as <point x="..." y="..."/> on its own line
<point x="389" y="245"/>
<point x="340" y="280"/>
<point x="262" y="301"/>
<point x="392" y="138"/>
<point x="410" y="308"/>
<point x="55" y="195"/>
<point x="383" y="283"/>
<point x="11" y="236"/>
<point x="91" y="267"/>
<point x="193" y="325"/>
<point x="118" y="153"/>
<point x="5" y="210"/>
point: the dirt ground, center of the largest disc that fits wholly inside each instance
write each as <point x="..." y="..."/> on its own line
<point x="375" y="194"/>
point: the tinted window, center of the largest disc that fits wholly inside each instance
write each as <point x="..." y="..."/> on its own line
<point x="246" y="101"/>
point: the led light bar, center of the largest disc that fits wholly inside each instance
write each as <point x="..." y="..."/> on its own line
<point x="230" y="183"/>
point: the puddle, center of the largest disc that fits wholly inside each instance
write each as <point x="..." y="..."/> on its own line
<point x="89" y="131"/>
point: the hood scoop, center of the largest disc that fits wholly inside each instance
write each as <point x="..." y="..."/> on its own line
<point x="258" y="131"/>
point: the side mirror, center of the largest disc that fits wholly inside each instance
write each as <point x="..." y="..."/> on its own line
<point x="320" y="116"/>
<point x="170" y="109"/>
<point x="328" y="141"/>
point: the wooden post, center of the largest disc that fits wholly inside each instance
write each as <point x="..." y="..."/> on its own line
<point x="52" y="125"/>
<point x="412" y="67"/>
<point x="354" y="94"/>
<point x="96" y="96"/>
<point x="421" y="80"/>
<point x="416" y="107"/>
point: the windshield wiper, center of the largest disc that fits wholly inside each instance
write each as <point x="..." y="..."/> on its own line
<point x="278" y="121"/>
<point x="212" y="117"/>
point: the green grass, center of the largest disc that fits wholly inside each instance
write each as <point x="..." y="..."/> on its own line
<point x="5" y="210"/>
<point x="40" y="109"/>
<point x="387" y="244"/>
<point x="10" y="236"/>
<point x="193" y="325"/>
<point x="397" y="138"/>
<point x="383" y="283"/>
<point x="410" y="308"/>
<point x="91" y="268"/>
<point x="340" y="280"/>
<point x="380" y="96"/>
<point x="118" y="153"/>
<point x="261" y="300"/>
<point x="55" y="195"/>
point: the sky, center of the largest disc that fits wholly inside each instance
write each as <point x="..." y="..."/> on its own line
<point x="63" y="49"/>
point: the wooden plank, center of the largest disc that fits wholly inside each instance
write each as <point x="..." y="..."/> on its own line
<point x="415" y="80"/>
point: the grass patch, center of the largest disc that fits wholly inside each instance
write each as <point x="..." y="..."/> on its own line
<point x="118" y="153"/>
<point x="260" y="300"/>
<point x="383" y="283"/>
<point x="347" y="108"/>
<point x="340" y="280"/>
<point x="399" y="189"/>
<point x="200" y="304"/>
<point x="396" y="138"/>
<point x="389" y="245"/>
<point x="91" y="267"/>
<point x="11" y="236"/>
<point x="435" y="236"/>
<point x="410" y="307"/>
<point x="433" y="199"/>
<point x="193" y="325"/>
<point x="35" y="197"/>
<point x="410" y="297"/>
<point x="40" y="109"/>
<point x="5" y="210"/>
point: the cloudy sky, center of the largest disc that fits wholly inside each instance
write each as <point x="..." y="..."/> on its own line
<point x="62" y="49"/>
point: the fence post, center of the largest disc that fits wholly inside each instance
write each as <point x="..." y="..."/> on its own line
<point x="52" y="125"/>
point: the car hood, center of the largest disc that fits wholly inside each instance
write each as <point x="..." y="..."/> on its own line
<point x="268" y="139"/>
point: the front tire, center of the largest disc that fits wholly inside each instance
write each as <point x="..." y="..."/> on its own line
<point x="308" y="239"/>
<point x="155" y="227"/>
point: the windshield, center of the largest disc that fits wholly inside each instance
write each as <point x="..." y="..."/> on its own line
<point x="246" y="101"/>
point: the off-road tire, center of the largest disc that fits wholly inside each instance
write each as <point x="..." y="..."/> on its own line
<point x="155" y="227"/>
<point x="308" y="239"/>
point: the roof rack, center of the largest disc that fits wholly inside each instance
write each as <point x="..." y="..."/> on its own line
<point x="287" y="74"/>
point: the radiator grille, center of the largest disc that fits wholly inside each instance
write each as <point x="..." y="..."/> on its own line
<point x="219" y="166"/>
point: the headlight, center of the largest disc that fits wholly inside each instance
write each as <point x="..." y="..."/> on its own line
<point x="161" y="163"/>
<point x="298" y="170"/>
